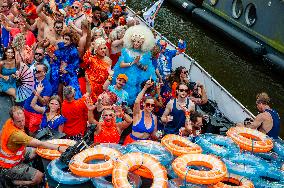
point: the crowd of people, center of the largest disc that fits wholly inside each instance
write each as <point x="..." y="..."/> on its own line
<point x="92" y="64"/>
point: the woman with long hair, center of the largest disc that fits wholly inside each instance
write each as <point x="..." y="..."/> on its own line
<point x="8" y="68"/>
<point x="144" y="121"/>
<point x="52" y="117"/>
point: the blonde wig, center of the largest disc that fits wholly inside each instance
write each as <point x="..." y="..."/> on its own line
<point x="139" y="32"/>
<point x="95" y="45"/>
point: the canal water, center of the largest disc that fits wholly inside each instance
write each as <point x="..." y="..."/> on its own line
<point x="240" y="73"/>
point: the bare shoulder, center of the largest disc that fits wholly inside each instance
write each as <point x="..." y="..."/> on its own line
<point x="264" y="116"/>
<point x="108" y="60"/>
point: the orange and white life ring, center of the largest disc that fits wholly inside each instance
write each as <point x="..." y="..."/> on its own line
<point x="250" y="139"/>
<point x="135" y="160"/>
<point x="80" y="167"/>
<point x="217" y="173"/>
<point x="179" y="145"/>
<point x="238" y="181"/>
<point x="54" y="154"/>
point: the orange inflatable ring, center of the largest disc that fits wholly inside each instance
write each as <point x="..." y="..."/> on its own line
<point x="135" y="160"/>
<point x="142" y="171"/>
<point x="54" y="154"/>
<point x="217" y="173"/>
<point x="250" y="139"/>
<point x="179" y="145"/>
<point x="238" y="181"/>
<point x="80" y="167"/>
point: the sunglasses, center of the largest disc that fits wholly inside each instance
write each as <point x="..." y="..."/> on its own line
<point x="75" y="7"/>
<point x="149" y="105"/>
<point x="184" y="72"/>
<point x="107" y="28"/>
<point x="39" y="54"/>
<point x="108" y="115"/>
<point x="58" y="27"/>
<point x="183" y="90"/>
<point x="38" y="71"/>
<point x="86" y="7"/>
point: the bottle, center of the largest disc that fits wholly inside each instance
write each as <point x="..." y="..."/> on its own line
<point x="1" y="52"/>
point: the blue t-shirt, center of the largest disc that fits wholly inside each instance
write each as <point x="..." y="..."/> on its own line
<point x="46" y="92"/>
<point x="164" y="62"/>
<point x="122" y="95"/>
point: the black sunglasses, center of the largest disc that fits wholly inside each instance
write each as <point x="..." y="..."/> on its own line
<point x="149" y="105"/>
<point x="183" y="90"/>
<point x="39" y="54"/>
<point x="38" y="71"/>
<point x="58" y="27"/>
<point x="75" y="7"/>
<point x="184" y="72"/>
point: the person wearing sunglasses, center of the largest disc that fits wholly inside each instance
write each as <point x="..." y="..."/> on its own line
<point x="33" y="117"/>
<point x="196" y="92"/>
<point x="108" y="130"/>
<point x="117" y="19"/>
<point x="49" y="26"/>
<point x="174" y="115"/>
<point x="144" y="121"/>
<point x="79" y="16"/>
<point x="39" y="57"/>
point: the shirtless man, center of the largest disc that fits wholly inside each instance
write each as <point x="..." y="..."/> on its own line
<point x="79" y="17"/>
<point x="268" y="120"/>
<point x="47" y="25"/>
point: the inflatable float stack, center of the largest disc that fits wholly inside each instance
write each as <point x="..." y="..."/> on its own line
<point x="245" y="158"/>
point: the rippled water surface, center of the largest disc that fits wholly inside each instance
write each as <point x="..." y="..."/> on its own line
<point x="242" y="75"/>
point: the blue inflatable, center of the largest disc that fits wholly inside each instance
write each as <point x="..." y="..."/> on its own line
<point x="158" y="151"/>
<point x="179" y="183"/>
<point x="105" y="182"/>
<point x="114" y="146"/>
<point x="264" y="183"/>
<point x="58" y="172"/>
<point x="279" y="147"/>
<point x="218" y="145"/>
<point x="246" y="165"/>
<point x="271" y="157"/>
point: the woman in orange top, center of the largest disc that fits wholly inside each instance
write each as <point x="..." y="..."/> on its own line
<point x="97" y="66"/>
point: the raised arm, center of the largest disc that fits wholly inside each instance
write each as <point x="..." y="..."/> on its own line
<point x="127" y="120"/>
<point x="136" y="108"/>
<point x="34" y="105"/>
<point x="91" y="107"/>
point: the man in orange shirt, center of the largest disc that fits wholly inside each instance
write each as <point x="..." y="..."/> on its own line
<point x="76" y="113"/>
<point x="14" y="150"/>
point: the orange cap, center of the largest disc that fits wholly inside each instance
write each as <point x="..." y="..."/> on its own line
<point x="123" y="76"/>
